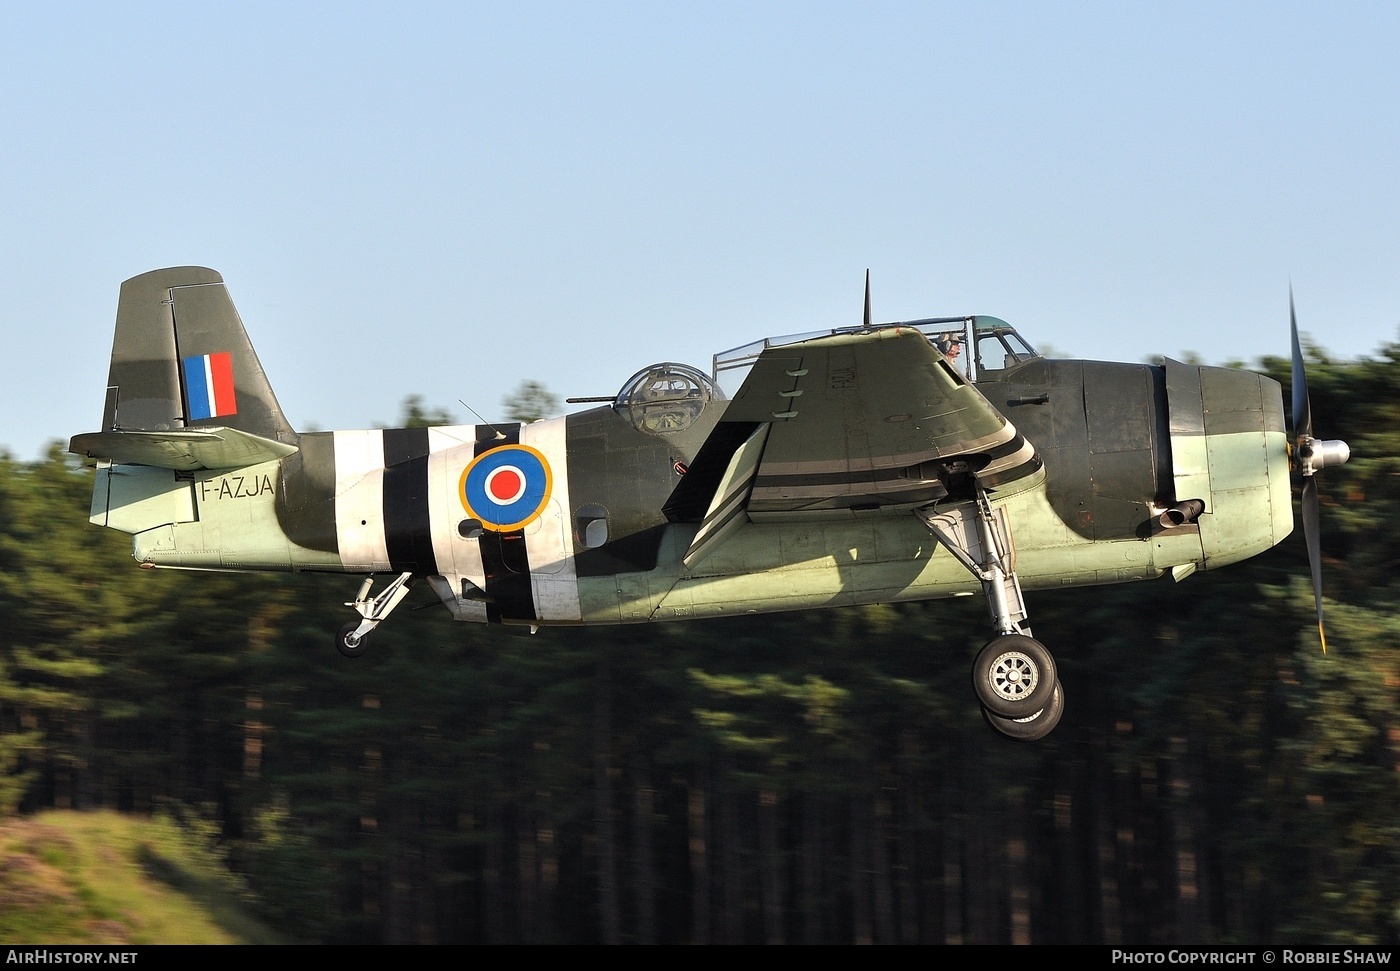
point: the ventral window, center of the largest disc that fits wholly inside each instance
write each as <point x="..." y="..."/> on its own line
<point x="591" y="526"/>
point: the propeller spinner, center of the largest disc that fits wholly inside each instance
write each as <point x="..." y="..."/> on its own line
<point x="1310" y="455"/>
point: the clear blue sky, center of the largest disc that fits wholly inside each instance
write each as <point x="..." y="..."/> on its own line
<point x="445" y="199"/>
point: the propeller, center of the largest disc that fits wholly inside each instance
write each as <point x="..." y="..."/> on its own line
<point x="1310" y="455"/>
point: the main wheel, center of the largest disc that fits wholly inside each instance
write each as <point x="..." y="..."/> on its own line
<point x="1035" y="727"/>
<point x="1014" y="675"/>
<point x="348" y="644"/>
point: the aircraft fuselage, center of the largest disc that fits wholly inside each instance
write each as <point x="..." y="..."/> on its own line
<point x="1119" y="443"/>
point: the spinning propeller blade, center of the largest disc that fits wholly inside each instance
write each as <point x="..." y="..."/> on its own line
<point x="1311" y="531"/>
<point x="1302" y="411"/>
<point x="1310" y="455"/>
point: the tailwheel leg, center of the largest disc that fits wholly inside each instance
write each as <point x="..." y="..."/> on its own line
<point x="1014" y="675"/>
<point x="353" y="639"/>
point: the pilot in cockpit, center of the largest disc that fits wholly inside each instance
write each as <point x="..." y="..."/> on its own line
<point x="950" y="346"/>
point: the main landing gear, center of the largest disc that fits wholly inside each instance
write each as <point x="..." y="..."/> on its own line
<point x="1014" y="675"/>
<point x="1035" y="727"/>
<point x="353" y="639"/>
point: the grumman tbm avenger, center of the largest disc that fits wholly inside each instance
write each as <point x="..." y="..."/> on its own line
<point x="866" y="464"/>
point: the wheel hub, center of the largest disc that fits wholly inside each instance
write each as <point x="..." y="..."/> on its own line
<point x="1013" y="676"/>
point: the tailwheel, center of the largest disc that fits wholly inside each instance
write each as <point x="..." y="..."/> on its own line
<point x="1034" y="727"/>
<point x="352" y="640"/>
<point x="1013" y="676"/>
<point x="351" y="643"/>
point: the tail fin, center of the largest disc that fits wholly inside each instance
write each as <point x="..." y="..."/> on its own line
<point x="185" y="389"/>
<point x="181" y="358"/>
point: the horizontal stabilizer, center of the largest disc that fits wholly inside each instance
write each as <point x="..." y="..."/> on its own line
<point x="184" y="450"/>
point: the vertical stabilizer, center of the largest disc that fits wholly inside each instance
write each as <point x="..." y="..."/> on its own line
<point x="181" y="359"/>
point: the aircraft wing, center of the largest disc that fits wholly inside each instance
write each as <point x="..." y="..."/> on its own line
<point x="867" y="421"/>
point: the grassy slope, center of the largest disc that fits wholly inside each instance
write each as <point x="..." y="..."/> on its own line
<point x="105" y="878"/>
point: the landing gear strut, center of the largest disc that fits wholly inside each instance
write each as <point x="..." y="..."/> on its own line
<point x="1014" y="675"/>
<point x="353" y="639"/>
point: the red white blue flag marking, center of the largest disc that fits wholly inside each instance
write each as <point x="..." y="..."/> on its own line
<point x="209" y="386"/>
<point x="506" y="488"/>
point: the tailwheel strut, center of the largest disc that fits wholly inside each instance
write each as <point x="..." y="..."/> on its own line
<point x="353" y="639"/>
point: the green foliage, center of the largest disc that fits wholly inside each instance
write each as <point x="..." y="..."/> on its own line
<point x="1216" y="777"/>
<point x="415" y="415"/>
<point x="531" y="401"/>
<point x="103" y="878"/>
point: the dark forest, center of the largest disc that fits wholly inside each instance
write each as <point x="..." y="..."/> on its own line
<point x="804" y="778"/>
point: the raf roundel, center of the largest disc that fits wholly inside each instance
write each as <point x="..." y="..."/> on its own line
<point x="506" y="488"/>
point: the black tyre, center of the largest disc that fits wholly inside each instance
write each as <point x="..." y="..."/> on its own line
<point x="1014" y="676"/>
<point x="343" y="640"/>
<point x="1035" y="727"/>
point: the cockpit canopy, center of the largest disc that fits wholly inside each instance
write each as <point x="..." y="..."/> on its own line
<point x="666" y="398"/>
<point x="995" y="344"/>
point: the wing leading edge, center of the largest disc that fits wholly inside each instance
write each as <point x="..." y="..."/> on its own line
<point x="874" y="421"/>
